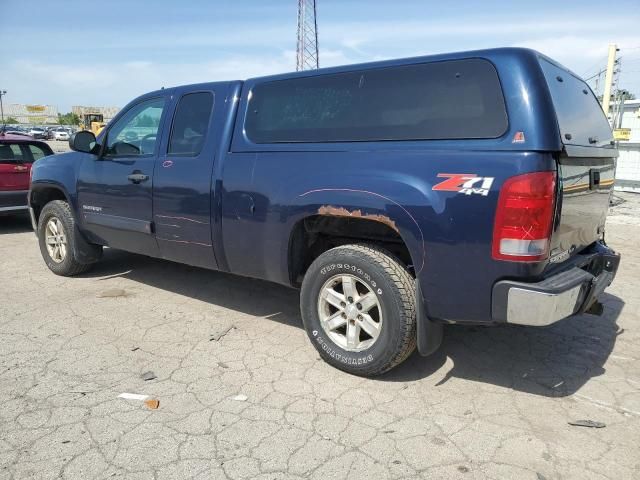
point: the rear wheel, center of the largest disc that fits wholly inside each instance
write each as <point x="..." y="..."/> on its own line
<point x="358" y="308"/>
<point x="55" y="235"/>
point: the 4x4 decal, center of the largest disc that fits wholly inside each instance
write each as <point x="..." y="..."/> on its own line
<point x="467" y="183"/>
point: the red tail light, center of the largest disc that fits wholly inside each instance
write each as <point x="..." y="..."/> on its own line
<point x="524" y="217"/>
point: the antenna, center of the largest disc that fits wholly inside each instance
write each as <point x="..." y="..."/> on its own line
<point x="4" y="125"/>
<point x="307" y="50"/>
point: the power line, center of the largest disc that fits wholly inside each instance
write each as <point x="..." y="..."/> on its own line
<point x="590" y="69"/>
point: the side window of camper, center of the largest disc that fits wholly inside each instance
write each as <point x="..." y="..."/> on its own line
<point x="458" y="99"/>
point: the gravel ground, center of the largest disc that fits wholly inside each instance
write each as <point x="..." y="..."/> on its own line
<point x="244" y="395"/>
<point x="58" y="146"/>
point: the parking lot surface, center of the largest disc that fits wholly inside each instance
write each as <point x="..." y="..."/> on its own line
<point x="58" y="146"/>
<point x="243" y="394"/>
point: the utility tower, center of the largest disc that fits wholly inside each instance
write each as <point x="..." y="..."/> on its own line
<point x="307" y="49"/>
<point x="608" y="79"/>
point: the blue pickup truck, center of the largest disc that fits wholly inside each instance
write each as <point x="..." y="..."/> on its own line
<point x="398" y="196"/>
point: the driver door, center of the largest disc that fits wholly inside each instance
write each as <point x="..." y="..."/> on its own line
<point x="115" y="189"/>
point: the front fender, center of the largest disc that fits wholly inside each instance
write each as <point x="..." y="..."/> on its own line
<point x="60" y="172"/>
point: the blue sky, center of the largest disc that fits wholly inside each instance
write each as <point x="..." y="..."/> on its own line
<point x="105" y="53"/>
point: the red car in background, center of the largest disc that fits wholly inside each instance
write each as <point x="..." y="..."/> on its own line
<point x="17" y="153"/>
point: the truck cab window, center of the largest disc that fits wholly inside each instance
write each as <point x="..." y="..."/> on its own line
<point x="136" y="132"/>
<point x="190" y="124"/>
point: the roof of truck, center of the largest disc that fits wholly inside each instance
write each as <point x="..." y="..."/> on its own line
<point x="494" y="54"/>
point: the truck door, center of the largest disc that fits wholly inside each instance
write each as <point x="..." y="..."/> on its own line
<point x="115" y="189"/>
<point x="182" y="191"/>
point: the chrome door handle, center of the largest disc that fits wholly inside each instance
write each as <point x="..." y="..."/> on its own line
<point x="138" y="177"/>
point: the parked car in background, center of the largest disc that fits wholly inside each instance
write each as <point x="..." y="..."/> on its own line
<point x="37" y="132"/>
<point x="8" y="129"/>
<point x="61" y="134"/>
<point x="17" y="153"/>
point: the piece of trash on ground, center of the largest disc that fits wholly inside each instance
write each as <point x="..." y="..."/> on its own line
<point x="587" y="423"/>
<point x="223" y="365"/>
<point x="133" y="396"/>
<point x="215" y="337"/>
<point x="153" y="404"/>
<point x="241" y="398"/>
<point x="146" y="376"/>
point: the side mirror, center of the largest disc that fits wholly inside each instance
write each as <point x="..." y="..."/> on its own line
<point x="83" y="141"/>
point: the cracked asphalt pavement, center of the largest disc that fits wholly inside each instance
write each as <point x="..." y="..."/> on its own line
<point x="244" y="395"/>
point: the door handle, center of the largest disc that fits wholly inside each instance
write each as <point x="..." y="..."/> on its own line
<point x="137" y="177"/>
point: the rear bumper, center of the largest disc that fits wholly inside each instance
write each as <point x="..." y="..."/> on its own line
<point x="13" y="200"/>
<point x="558" y="296"/>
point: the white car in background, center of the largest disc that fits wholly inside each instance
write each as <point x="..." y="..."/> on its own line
<point x="37" y="132"/>
<point x="61" y="134"/>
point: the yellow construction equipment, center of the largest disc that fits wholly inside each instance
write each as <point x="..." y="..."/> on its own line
<point x="93" y="122"/>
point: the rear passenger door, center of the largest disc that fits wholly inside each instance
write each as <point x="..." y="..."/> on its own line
<point x="182" y="191"/>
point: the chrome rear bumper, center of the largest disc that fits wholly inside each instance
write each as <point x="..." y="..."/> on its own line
<point x="559" y="296"/>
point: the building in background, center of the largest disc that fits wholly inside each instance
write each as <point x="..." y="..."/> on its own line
<point x="32" y="114"/>
<point x="628" y="136"/>
<point x="107" y="112"/>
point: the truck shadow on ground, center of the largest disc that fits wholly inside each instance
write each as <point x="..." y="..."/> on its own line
<point x="553" y="361"/>
<point x="15" y="223"/>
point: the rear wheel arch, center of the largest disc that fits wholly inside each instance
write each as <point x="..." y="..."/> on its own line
<point x="313" y="235"/>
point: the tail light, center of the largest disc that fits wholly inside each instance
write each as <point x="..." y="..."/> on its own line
<point x="524" y="218"/>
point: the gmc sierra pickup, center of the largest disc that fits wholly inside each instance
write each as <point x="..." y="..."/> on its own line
<point x="400" y="195"/>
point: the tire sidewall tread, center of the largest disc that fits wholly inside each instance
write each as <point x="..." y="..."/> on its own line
<point x="69" y="266"/>
<point x="393" y="285"/>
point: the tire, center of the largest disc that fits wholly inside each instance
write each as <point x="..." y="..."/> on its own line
<point x="368" y="351"/>
<point x="58" y="212"/>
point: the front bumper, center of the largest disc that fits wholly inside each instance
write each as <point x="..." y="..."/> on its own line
<point x="568" y="292"/>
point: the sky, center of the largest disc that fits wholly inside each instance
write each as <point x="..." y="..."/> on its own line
<point x="106" y="53"/>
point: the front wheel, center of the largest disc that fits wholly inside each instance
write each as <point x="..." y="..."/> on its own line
<point x="55" y="235"/>
<point x="358" y="308"/>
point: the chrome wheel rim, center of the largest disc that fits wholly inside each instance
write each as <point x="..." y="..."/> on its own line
<point x="56" y="240"/>
<point x="350" y="312"/>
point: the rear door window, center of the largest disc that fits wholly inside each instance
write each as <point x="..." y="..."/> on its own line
<point x="11" y="153"/>
<point x="37" y="152"/>
<point x="191" y="124"/>
<point x="580" y="116"/>
<point x="456" y="99"/>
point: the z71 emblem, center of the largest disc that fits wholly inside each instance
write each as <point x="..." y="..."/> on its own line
<point x="466" y="183"/>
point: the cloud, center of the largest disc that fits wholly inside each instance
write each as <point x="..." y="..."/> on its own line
<point x="119" y="67"/>
<point x="118" y="83"/>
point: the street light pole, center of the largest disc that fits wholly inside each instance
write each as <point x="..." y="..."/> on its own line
<point x="2" y="92"/>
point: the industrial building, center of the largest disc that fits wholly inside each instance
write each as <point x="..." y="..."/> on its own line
<point x="32" y="114"/>
<point x="628" y="165"/>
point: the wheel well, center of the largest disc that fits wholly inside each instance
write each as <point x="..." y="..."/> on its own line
<point x="42" y="196"/>
<point x="314" y="235"/>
